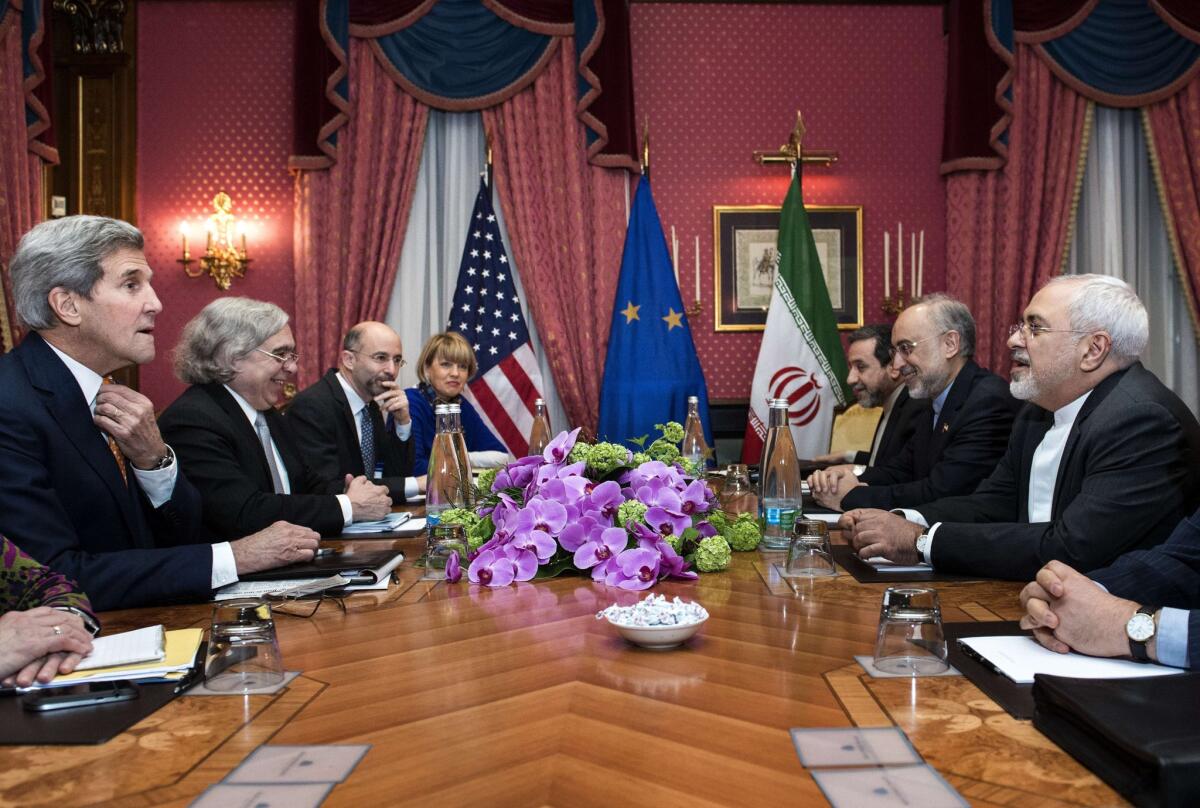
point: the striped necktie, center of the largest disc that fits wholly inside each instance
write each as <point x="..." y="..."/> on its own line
<point x="116" y="450"/>
<point x="264" y="437"/>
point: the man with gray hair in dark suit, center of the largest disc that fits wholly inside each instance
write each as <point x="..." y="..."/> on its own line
<point x="1101" y="460"/>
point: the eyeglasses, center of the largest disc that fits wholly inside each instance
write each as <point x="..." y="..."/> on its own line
<point x="1031" y="330"/>
<point x="381" y="358"/>
<point x="305" y="608"/>
<point x="905" y="348"/>
<point x="283" y="359"/>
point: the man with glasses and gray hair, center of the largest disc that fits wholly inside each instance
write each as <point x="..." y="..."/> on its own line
<point x="87" y="484"/>
<point x="239" y="354"/>
<point x="1102" y="458"/>
<point x="962" y="432"/>
<point x="354" y="420"/>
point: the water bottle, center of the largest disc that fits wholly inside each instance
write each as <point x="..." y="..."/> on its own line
<point x="539" y="433"/>
<point x="460" y="451"/>
<point x="781" y="503"/>
<point x="694" y="449"/>
<point x="442" y="488"/>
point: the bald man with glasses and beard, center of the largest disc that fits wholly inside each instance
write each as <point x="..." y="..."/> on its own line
<point x="1102" y="459"/>
<point x="354" y="420"/>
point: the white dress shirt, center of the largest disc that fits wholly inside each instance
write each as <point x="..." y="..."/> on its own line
<point x="358" y="409"/>
<point x="889" y="406"/>
<point x="252" y="416"/>
<point x="158" y="484"/>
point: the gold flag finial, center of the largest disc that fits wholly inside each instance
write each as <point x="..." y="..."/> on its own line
<point x="646" y="145"/>
<point x="794" y="145"/>
<point x="487" y="136"/>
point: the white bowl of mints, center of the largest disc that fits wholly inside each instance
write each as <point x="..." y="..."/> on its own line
<point x="656" y="622"/>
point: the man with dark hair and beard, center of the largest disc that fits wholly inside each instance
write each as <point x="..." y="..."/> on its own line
<point x="355" y="420"/>
<point x="1102" y="459"/>
<point x="875" y="382"/>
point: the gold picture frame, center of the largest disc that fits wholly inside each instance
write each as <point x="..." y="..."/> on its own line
<point x="744" y="238"/>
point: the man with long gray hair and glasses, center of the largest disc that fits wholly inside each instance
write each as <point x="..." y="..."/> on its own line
<point x="239" y="354"/>
<point x="1102" y="458"/>
<point x="87" y="484"/>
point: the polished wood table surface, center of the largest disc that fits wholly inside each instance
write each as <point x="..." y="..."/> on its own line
<point x="519" y="696"/>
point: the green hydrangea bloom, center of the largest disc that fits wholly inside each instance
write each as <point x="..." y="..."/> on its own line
<point x="712" y="554"/>
<point x="480" y="532"/>
<point x="606" y="457"/>
<point x="460" y="516"/>
<point x="579" y="452"/>
<point x="672" y="431"/>
<point x="639" y="458"/>
<point x="630" y="511"/>
<point x="716" y="517"/>
<point x="743" y="534"/>
<point x="485" y="480"/>
<point x="664" y="450"/>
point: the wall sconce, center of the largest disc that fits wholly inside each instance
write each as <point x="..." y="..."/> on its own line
<point x="223" y="259"/>
<point x="792" y="151"/>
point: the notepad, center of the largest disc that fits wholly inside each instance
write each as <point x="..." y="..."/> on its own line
<point x="385" y="525"/>
<point x="142" y="645"/>
<point x="1019" y="658"/>
<point x="179" y="647"/>
<point x="882" y="564"/>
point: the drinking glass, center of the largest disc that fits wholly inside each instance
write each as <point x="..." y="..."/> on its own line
<point x="810" y="552"/>
<point x="243" y="651"/>
<point x="910" y="641"/>
<point x="440" y="541"/>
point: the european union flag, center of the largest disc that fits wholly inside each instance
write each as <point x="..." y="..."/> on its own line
<point x="651" y="367"/>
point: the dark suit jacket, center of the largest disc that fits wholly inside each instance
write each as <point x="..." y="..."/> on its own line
<point x="327" y="437"/>
<point x="899" y="430"/>
<point x="62" y="499"/>
<point x="220" y="451"/>
<point x="1166" y="575"/>
<point x="950" y="457"/>
<point x="1127" y="476"/>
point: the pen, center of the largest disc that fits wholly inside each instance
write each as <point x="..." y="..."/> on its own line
<point x="189" y="680"/>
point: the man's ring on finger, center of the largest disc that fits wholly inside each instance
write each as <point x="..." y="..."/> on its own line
<point x="57" y="630"/>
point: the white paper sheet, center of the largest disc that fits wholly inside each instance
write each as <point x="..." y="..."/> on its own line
<point x="882" y="565"/>
<point x="126" y="648"/>
<point x="1020" y="657"/>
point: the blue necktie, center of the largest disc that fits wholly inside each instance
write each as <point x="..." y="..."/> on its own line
<point x="368" y="443"/>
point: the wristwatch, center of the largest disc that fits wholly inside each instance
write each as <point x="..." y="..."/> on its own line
<point x="163" y="462"/>
<point x="859" y="469"/>
<point x="1140" y="629"/>
<point x="89" y="622"/>
<point x="923" y="542"/>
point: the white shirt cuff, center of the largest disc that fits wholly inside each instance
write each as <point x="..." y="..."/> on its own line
<point x="912" y="516"/>
<point x="158" y="484"/>
<point x="224" y="568"/>
<point x="1171" y="643"/>
<point x="411" y="489"/>
<point x="403" y="431"/>
<point x="347" y="509"/>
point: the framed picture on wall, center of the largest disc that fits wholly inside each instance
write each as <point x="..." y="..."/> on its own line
<point x="746" y="256"/>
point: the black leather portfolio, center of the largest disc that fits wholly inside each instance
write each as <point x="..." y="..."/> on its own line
<point x="81" y="725"/>
<point x="865" y="573"/>
<point x="340" y="561"/>
<point x="1141" y="736"/>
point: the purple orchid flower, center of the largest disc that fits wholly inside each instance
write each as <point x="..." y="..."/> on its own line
<point x="453" y="569"/>
<point x="517" y="474"/>
<point x="524" y="562"/>
<point x="491" y="568"/>
<point x="673" y="565"/>
<point x="693" y="499"/>
<point x="634" y="569"/>
<point x="557" y="450"/>
<point x="578" y="532"/>
<point x="705" y="529"/>
<point x="601" y="548"/>
<point x="647" y="539"/>
<point x="606" y="498"/>
<point x="567" y="490"/>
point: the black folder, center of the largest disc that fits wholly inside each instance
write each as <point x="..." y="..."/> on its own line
<point x="1016" y="699"/>
<point x="865" y="573"/>
<point x="1141" y="736"/>
<point x="343" y="560"/>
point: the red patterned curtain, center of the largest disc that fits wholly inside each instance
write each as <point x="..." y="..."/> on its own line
<point x="1007" y="230"/>
<point x="21" y="189"/>
<point x="1173" y="125"/>
<point x="351" y="218"/>
<point x="567" y="223"/>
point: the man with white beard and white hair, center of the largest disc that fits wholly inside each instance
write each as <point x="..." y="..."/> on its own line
<point x="1102" y="459"/>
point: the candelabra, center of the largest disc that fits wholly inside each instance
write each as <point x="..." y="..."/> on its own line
<point x="894" y="305"/>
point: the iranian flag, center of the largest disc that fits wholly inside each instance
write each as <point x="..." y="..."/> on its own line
<point x="801" y="356"/>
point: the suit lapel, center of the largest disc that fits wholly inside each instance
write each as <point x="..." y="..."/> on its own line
<point x="243" y="430"/>
<point x="64" y="401"/>
<point x="959" y="393"/>
<point x="347" y="418"/>
<point x="1099" y="393"/>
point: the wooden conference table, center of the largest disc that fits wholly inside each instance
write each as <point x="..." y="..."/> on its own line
<point x="519" y="696"/>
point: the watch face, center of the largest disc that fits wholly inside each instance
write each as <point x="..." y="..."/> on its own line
<point x="1140" y="627"/>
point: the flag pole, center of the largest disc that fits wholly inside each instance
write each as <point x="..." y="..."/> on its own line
<point x="646" y="147"/>
<point x="487" y="136"/>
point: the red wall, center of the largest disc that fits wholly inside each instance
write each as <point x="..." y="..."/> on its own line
<point x="214" y="113"/>
<point x="720" y="81"/>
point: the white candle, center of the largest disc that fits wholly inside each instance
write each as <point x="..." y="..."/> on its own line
<point x="921" y="265"/>
<point x="697" y="269"/>
<point x="900" y="258"/>
<point x="913" y="264"/>
<point x="183" y="228"/>
<point x="675" y="255"/>
<point x="887" y="261"/>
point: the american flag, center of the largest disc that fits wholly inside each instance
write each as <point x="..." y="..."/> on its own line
<point x="487" y="312"/>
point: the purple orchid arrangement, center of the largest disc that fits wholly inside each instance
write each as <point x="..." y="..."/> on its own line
<point x="628" y="520"/>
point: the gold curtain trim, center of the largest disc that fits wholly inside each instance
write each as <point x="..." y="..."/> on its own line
<point x="1169" y="218"/>
<point x="1080" y="166"/>
<point x="6" y="334"/>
